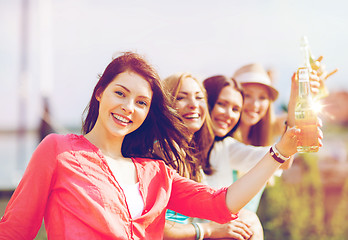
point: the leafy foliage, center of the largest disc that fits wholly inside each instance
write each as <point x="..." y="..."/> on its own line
<point x="296" y="210"/>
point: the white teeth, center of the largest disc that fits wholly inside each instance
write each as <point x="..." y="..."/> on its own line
<point x="222" y="124"/>
<point x="122" y="119"/>
<point x="253" y="114"/>
<point x="193" y="115"/>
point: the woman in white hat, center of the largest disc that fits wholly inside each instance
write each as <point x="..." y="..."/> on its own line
<point x="258" y="125"/>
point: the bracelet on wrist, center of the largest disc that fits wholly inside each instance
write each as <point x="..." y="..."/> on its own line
<point x="277" y="155"/>
<point x="199" y="231"/>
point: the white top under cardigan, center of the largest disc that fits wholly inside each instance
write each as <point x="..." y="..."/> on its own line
<point x="230" y="154"/>
<point x="134" y="199"/>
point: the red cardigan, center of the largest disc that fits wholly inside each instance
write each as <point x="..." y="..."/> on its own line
<point x="69" y="183"/>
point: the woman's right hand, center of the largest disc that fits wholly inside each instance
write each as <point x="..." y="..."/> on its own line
<point x="235" y="229"/>
<point x="287" y="146"/>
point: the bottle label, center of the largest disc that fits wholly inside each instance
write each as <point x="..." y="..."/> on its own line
<point x="303" y="75"/>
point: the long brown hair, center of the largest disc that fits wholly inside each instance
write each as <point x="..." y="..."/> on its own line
<point x="214" y="85"/>
<point x="202" y="139"/>
<point x="162" y="124"/>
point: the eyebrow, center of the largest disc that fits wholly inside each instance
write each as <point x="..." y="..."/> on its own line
<point x="186" y="93"/>
<point x="126" y="89"/>
<point x="119" y="85"/>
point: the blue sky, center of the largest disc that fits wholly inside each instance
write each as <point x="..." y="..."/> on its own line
<point x="71" y="42"/>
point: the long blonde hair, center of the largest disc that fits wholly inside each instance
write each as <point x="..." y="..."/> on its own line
<point x="204" y="137"/>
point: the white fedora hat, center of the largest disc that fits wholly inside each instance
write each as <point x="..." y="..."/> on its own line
<point x="255" y="73"/>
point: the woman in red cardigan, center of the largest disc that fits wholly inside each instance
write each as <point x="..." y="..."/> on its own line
<point x="107" y="183"/>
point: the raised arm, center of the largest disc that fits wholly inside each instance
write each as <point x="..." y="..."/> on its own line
<point x="245" y="188"/>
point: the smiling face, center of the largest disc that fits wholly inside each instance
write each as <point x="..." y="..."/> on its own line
<point x="256" y="103"/>
<point x="124" y="104"/>
<point x="226" y="111"/>
<point x="191" y="105"/>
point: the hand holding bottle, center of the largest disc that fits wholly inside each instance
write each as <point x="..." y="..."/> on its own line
<point x="314" y="88"/>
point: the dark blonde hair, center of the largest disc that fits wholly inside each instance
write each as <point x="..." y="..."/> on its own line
<point x="162" y="124"/>
<point x="203" y="138"/>
<point x="261" y="134"/>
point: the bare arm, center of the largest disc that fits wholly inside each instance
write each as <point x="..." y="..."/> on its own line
<point x="245" y="188"/>
<point x="236" y="229"/>
<point x="174" y="230"/>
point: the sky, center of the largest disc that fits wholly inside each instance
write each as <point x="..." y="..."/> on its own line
<point x="70" y="42"/>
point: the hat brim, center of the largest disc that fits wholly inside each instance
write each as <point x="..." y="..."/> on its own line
<point x="272" y="91"/>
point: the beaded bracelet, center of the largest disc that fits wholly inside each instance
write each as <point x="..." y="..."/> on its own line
<point x="277" y="155"/>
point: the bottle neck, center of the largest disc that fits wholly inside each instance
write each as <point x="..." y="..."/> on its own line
<point x="306" y="58"/>
<point x="305" y="53"/>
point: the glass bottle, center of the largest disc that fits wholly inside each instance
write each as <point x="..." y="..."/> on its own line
<point x="305" y="114"/>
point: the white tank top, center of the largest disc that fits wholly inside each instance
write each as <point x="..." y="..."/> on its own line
<point x="134" y="199"/>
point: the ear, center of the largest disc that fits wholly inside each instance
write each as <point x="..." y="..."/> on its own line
<point x="98" y="94"/>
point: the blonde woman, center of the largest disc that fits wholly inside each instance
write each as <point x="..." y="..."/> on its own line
<point x="189" y="99"/>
